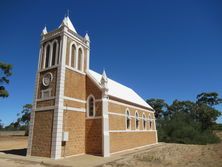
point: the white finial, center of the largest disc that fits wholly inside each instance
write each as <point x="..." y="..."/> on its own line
<point x="104" y="84"/>
<point x="104" y="76"/>
<point x="87" y="37"/>
<point x="44" y="31"/>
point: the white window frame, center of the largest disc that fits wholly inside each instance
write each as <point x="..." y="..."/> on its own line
<point x="137" y="119"/>
<point x="82" y="58"/>
<point x="144" y="119"/>
<point x="126" y="117"/>
<point x="94" y="106"/>
<point x="150" y="121"/>
<point x="70" y="55"/>
<point x="57" y="51"/>
<point x="50" y="54"/>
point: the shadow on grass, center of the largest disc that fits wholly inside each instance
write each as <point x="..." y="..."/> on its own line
<point x="21" y="152"/>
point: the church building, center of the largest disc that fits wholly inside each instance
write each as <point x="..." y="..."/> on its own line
<point x="79" y="111"/>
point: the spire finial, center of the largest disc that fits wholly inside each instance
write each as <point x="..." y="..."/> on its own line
<point x="44" y="31"/>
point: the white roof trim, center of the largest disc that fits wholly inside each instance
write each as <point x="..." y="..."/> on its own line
<point x="118" y="90"/>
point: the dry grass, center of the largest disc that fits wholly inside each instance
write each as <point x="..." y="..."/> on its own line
<point x="174" y="155"/>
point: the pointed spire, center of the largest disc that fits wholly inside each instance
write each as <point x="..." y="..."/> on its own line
<point x="87" y="37"/>
<point x="67" y="22"/>
<point x="104" y="84"/>
<point x="44" y="31"/>
<point x="104" y="77"/>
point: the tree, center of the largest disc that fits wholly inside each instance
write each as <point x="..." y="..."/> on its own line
<point x="1" y="125"/>
<point x="5" y="72"/>
<point x="159" y="105"/>
<point x="25" y="115"/>
<point x="209" y="98"/>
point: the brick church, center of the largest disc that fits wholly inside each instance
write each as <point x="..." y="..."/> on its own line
<point x="79" y="111"/>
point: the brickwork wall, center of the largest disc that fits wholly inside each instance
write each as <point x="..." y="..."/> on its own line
<point x="42" y="134"/>
<point x="94" y="136"/>
<point x="71" y="103"/>
<point x="74" y="123"/>
<point x="75" y="85"/>
<point x="127" y="140"/>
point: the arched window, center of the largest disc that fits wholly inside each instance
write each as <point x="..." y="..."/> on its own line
<point x="137" y="121"/>
<point x="150" y="122"/>
<point x="91" y="106"/>
<point x="73" y="56"/>
<point x="128" y="126"/>
<point x="144" y="121"/>
<point x="54" y="52"/>
<point x="80" y="59"/>
<point x="47" y="56"/>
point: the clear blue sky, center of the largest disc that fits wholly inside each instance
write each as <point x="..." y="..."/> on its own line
<point x="161" y="49"/>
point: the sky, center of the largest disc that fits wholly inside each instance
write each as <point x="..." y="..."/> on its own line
<point x="161" y="49"/>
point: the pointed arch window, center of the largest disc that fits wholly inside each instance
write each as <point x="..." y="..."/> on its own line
<point x="73" y="56"/>
<point x="91" y="106"/>
<point x="144" y="121"/>
<point x="150" y="122"/>
<point x="80" y="59"/>
<point x="128" y="123"/>
<point x="54" y="53"/>
<point x="47" y="56"/>
<point x="137" y="120"/>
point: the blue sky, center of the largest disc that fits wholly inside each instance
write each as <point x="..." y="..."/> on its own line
<point x="161" y="49"/>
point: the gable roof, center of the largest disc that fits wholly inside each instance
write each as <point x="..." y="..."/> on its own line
<point x="118" y="90"/>
<point x="67" y="22"/>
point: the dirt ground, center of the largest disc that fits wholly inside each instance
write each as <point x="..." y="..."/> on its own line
<point x="175" y="155"/>
<point x="171" y="155"/>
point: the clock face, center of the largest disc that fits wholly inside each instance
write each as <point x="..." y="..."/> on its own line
<point x="47" y="78"/>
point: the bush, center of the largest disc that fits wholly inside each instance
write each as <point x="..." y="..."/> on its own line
<point x="181" y="128"/>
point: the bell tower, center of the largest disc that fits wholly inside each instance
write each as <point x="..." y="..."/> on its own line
<point x="60" y="88"/>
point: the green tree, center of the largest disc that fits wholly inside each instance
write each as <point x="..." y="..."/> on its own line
<point x="209" y="98"/>
<point x="159" y="105"/>
<point x="24" y="117"/>
<point x="1" y="125"/>
<point x="5" y="72"/>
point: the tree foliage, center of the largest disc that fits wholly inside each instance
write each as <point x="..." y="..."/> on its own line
<point x="5" y="72"/>
<point x="188" y="121"/>
<point x="159" y="105"/>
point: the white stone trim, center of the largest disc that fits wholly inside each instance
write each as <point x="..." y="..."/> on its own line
<point x="74" y="109"/>
<point x="106" y="137"/>
<point x="71" y="36"/>
<point x="56" y="147"/>
<point x="49" y="68"/>
<point x="49" y="98"/>
<point x="94" y="106"/>
<point x="76" y="70"/>
<point x="74" y="99"/>
<point x="96" y="117"/>
<point x="144" y="119"/>
<point x="131" y="131"/>
<point x="124" y="115"/>
<point x="45" y="108"/>
<point x="134" y="148"/>
<point x="32" y="119"/>
<point x="128" y="105"/>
